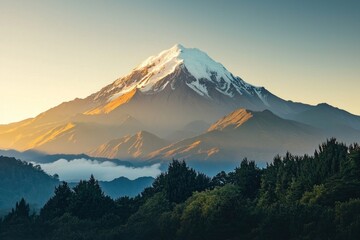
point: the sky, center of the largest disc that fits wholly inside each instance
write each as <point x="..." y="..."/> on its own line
<point x="54" y="51"/>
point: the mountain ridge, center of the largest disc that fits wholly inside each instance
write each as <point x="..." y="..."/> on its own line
<point x="162" y="95"/>
<point x="130" y="146"/>
<point x="243" y="133"/>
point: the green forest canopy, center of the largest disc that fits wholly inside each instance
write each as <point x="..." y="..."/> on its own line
<point x="294" y="197"/>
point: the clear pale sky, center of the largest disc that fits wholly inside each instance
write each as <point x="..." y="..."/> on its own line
<point x="55" y="51"/>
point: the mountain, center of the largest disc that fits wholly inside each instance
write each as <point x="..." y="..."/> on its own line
<point x="191" y="129"/>
<point x="28" y="156"/>
<point x="244" y="133"/>
<point x="182" y="85"/>
<point x="73" y="137"/>
<point x="334" y="121"/>
<point x="130" y="147"/>
<point x="122" y="186"/>
<point x="39" y="158"/>
<point x="23" y="180"/>
<point x="176" y="88"/>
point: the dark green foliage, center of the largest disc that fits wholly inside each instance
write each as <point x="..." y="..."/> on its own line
<point x="219" y="180"/>
<point x="295" y="221"/>
<point x="59" y="203"/>
<point x="147" y="220"/>
<point x="221" y="213"/>
<point x="350" y="167"/>
<point x="247" y="178"/>
<point x="294" y="197"/>
<point x="180" y="181"/>
<point x="22" y="210"/>
<point x="89" y="201"/>
<point x="17" y="224"/>
<point x="126" y="207"/>
<point x="347" y="219"/>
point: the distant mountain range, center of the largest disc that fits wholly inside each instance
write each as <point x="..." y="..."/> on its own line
<point x="138" y="146"/>
<point x="244" y="133"/>
<point x="40" y="157"/>
<point x="25" y="180"/>
<point x="181" y="104"/>
<point x="123" y="186"/>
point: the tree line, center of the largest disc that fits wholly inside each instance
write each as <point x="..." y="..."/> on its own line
<point x="294" y="197"/>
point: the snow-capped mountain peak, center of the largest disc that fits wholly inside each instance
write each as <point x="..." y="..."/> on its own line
<point x="196" y="62"/>
<point x="206" y="76"/>
<point x="164" y="57"/>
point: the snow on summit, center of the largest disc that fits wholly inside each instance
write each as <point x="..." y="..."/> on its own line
<point x="206" y="73"/>
<point x="198" y="63"/>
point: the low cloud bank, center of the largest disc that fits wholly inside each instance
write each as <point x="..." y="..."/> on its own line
<point x="80" y="169"/>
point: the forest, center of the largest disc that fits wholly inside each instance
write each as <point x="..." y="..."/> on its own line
<point x="294" y="197"/>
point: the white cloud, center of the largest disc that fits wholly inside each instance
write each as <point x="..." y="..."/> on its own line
<point x="77" y="169"/>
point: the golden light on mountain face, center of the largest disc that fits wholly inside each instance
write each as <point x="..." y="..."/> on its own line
<point x="50" y="135"/>
<point x="112" y="105"/>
